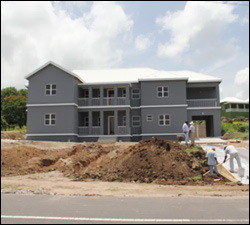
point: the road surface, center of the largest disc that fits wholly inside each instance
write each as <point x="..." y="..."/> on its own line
<point x="32" y="209"/>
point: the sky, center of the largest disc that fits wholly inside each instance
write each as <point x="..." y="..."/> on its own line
<point x="210" y="37"/>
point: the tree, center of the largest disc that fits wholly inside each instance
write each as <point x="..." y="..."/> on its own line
<point x="13" y="106"/>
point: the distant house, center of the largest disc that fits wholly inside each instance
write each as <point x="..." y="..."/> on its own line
<point x="234" y="107"/>
<point x="128" y="104"/>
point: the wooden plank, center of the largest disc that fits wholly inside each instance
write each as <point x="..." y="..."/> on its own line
<point x="227" y="174"/>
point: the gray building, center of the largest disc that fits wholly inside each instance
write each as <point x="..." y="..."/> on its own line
<point x="129" y="104"/>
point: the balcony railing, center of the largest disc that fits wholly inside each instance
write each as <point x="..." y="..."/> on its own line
<point x="237" y="110"/>
<point x="101" y="102"/>
<point x="122" y="130"/>
<point x="202" y="102"/>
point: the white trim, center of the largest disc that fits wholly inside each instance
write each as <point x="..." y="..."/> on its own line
<point x="115" y="135"/>
<point x="201" y="108"/>
<point x="161" y="106"/>
<point x="54" y="134"/>
<point x="157" y="134"/>
<point x="52" y="104"/>
<point x="56" y="65"/>
<point x="104" y="107"/>
<point x="164" y="79"/>
<point x="107" y="83"/>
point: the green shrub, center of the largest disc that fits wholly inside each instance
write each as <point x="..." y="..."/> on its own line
<point x="241" y="127"/>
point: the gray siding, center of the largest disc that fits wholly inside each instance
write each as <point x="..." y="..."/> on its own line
<point x="66" y="87"/>
<point x="177" y="117"/>
<point x="176" y="89"/>
<point x="66" y="120"/>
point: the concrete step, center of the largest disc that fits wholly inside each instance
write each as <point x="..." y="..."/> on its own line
<point x="107" y="140"/>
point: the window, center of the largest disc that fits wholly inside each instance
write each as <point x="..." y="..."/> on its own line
<point x="149" y="118"/>
<point x="86" y="122"/>
<point x="136" y="121"/>
<point x="123" y="93"/>
<point x="50" y="119"/>
<point x="164" y="120"/>
<point x="50" y="89"/>
<point x="124" y="121"/>
<point x="136" y="94"/>
<point x="162" y="92"/>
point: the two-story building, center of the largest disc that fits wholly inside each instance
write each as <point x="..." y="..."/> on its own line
<point x="129" y="104"/>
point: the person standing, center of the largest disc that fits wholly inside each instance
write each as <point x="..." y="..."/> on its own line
<point x="191" y="132"/>
<point x="185" y="130"/>
<point x="234" y="154"/>
<point x="212" y="162"/>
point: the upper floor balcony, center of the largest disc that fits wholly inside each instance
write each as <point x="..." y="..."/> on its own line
<point x="194" y="103"/>
<point x="107" y="101"/>
<point x="109" y="95"/>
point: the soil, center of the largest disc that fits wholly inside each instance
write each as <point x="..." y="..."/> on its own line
<point x="149" y="168"/>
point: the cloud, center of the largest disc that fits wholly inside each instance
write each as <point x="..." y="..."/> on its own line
<point x="142" y="42"/>
<point x="198" y="27"/>
<point x="241" y="82"/>
<point x="36" y="32"/>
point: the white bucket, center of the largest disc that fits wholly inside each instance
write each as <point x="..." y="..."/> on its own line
<point x="241" y="171"/>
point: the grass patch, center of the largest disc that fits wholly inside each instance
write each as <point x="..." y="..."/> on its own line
<point x="196" y="148"/>
<point x="195" y="178"/>
<point x="10" y="186"/>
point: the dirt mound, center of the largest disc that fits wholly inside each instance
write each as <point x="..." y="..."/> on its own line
<point x="155" y="160"/>
<point x="13" y="135"/>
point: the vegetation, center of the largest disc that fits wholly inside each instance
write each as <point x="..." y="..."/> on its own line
<point x="196" y="148"/>
<point x="235" y="130"/>
<point x="13" y="108"/>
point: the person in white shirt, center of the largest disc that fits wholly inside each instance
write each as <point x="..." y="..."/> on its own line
<point x="234" y="154"/>
<point x="191" y="132"/>
<point x="185" y="130"/>
<point x="212" y="162"/>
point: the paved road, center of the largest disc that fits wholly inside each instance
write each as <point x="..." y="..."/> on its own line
<point x="32" y="209"/>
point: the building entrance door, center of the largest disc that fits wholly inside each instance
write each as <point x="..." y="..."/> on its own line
<point x="111" y="125"/>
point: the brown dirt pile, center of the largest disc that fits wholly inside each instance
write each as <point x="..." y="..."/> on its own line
<point x="13" y="135"/>
<point x="149" y="161"/>
<point x="155" y="160"/>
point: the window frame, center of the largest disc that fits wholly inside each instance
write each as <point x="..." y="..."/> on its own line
<point x="49" y="119"/>
<point x="162" y="92"/>
<point x="136" y="119"/>
<point x="164" y="120"/>
<point x="135" y="94"/>
<point x="148" y="118"/>
<point x="49" y="89"/>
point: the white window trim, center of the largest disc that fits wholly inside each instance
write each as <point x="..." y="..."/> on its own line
<point x="150" y="116"/>
<point x="161" y="125"/>
<point x="162" y="92"/>
<point x="49" y="119"/>
<point x="139" y="94"/>
<point x="50" y="90"/>
<point x="136" y="119"/>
